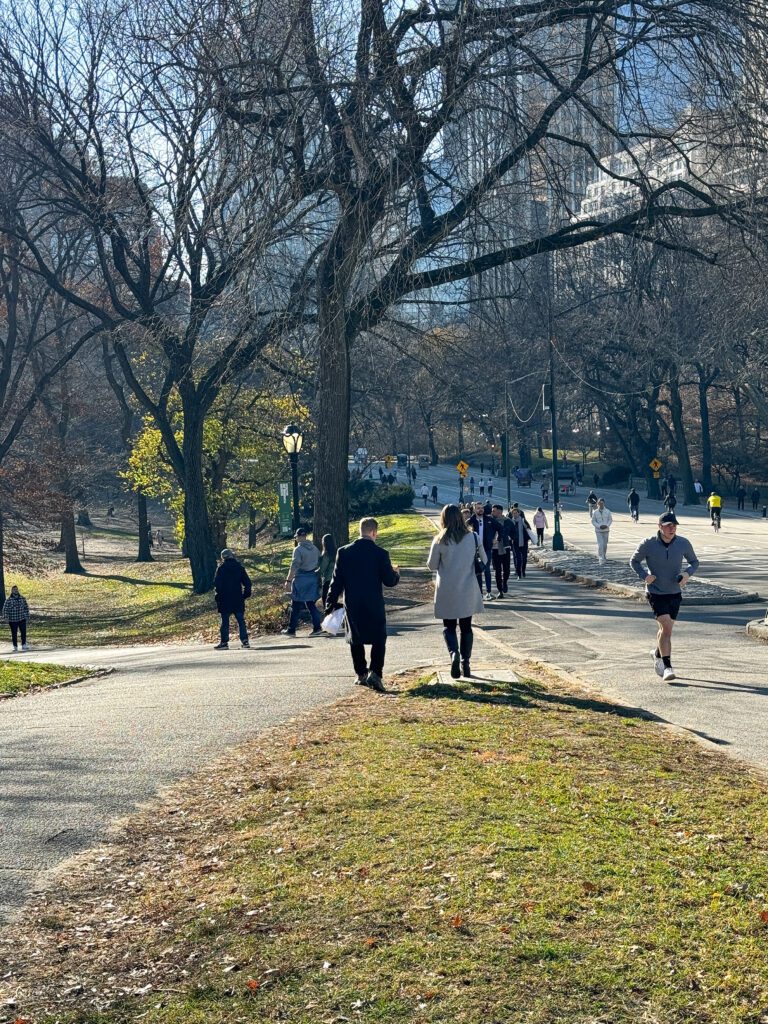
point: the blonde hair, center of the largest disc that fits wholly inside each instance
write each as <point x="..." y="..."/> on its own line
<point x="453" y="528"/>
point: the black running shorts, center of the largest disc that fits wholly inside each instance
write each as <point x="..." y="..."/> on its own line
<point x="665" y="604"/>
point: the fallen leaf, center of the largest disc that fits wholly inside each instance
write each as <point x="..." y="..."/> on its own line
<point x="371" y="942"/>
<point x="589" y="887"/>
<point x="457" y="921"/>
<point x="253" y="984"/>
<point x="764" y="916"/>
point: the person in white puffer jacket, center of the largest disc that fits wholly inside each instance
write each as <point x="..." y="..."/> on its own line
<point x="601" y="520"/>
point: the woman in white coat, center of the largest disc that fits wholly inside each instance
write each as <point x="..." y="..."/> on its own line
<point x="457" y="598"/>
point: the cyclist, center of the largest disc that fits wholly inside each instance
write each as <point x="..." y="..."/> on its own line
<point x="715" y="504"/>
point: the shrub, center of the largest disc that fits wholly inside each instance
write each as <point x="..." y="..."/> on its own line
<point x="615" y="475"/>
<point x="369" y="499"/>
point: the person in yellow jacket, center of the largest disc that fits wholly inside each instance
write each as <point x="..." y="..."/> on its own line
<point x="714" y="504"/>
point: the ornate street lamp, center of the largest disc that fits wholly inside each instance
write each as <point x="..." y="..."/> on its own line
<point x="292" y="440"/>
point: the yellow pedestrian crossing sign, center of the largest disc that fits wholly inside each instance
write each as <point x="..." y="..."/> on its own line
<point x="462" y="468"/>
<point x="655" y="465"/>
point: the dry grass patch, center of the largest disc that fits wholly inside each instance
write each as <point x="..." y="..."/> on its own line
<point x="470" y="853"/>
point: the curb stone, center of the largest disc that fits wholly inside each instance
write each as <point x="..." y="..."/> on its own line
<point x="758" y="629"/>
<point x="576" y="574"/>
<point x="34" y="690"/>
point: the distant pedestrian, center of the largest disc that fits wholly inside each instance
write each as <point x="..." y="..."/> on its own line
<point x="472" y="486"/>
<point x="545" y="491"/>
<point x="326" y="564"/>
<point x="633" y="500"/>
<point x="434" y="493"/>
<point x="698" y="486"/>
<point x="159" y="539"/>
<point x="482" y="469"/>
<point x="670" y="502"/>
<point x="541" y="524"/>
<point x="381" y="475"/>
<point x="755" y="498"/>
<point x="304" y="584"/>
<point x="664" y="485"/>
<point x="591" y="503"/>
<point x="502" y="544"/>
<point x="233" y="588"/>
<point x="596" y="480"/>
<point x="452" y="557"/>
<point x="482" y="486"/>
<point x="601" y="520"/>
<point x="489" y="486"/>
<point x="16" y="614"/>
<point x="741" y="494"/>
<point x="671" y="484"/>
<point x="111" y="512"/>
<point x="664" y="581"/>
<point x="362" y="569"/>
<point x="425" y="494"/>
<point x="150" y="534"/>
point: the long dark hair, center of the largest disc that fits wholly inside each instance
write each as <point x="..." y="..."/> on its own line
<point x="328" y="546"/>
<point x="453" y="528"/>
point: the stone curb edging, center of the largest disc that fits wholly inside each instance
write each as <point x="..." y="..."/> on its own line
<point x="758" y="629"/>
<point x="96" y="674"/>
<point x="633" y="593"/>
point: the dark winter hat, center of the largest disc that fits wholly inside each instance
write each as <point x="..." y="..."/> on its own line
<point x="227" y="553"/>
<point x="668" y="517"/>
<point x="301" y="532"/>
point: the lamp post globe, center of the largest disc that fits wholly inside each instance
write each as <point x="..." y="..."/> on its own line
<point x="292" y="441"/>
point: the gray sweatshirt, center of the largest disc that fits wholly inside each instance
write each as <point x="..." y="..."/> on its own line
<point x="665" y="562"/>
<point x="305" y="557"/>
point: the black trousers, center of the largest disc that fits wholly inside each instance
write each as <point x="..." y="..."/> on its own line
<point x="16" y="628"/>
<point x="501" y="567"/>
<point x="520" y="555"/>
<point x="540" y="535"/>
<point x="378" y="651"/>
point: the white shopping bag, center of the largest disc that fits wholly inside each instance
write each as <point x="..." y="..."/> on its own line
<point x="333" y="623"/>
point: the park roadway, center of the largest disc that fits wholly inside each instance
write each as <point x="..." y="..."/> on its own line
<point x="75" y="759"/>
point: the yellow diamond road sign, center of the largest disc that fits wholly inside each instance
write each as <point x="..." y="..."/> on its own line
<point x="462" y="468"/>
<point x="655" y="465"/>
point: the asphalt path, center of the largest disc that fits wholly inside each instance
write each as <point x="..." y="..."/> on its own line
<point x="75" y="759"/>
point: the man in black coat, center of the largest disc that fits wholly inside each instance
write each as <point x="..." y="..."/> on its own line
<point x="361" y="569"/>
<point x="480" y="522"/>
<point x="233" y="587"/>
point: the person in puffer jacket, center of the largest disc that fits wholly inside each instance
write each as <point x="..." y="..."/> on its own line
<point x="16" y="614"/>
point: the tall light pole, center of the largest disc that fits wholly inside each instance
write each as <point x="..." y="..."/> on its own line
<point x="558" y="544"/>
<point x="292" y="441"/>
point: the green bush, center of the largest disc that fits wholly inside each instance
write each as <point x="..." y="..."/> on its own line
<point x="369" y="499"/>
<point x="615" y="475"/>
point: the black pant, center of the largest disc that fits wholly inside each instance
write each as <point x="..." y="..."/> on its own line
<point x="739" y="503"/>
<point x="16" y="628"/>
<point x="467" y="636"/>
<point x="501" y="567"/>
<point x="521" y="559"/>
<point x="326" y="585"/>
<point x="540" y="535"/>
<point x="378" y="650"/>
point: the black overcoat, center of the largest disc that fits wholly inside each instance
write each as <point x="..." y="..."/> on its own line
<point x="233" y="586"/>
<point x="361" y="569"/>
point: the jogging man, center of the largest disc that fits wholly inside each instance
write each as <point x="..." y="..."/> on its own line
<point x="715" y="505"/>
<point x="664" y="579"/>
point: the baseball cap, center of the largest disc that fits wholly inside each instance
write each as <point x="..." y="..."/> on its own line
<point x="668" y="517"/>
<point x="301" y="532"/>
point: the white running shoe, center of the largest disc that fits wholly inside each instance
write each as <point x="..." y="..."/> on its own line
<point x="24" y="647"/>
<point x="489" y="596"/>
<point x="658" y="664"/>
<point x="669" y="675"/>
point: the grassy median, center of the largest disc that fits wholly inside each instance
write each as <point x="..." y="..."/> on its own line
<point x="21" y="676"/>
<point x="475" y="853"/>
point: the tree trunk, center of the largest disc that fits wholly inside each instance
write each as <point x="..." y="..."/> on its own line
<point x="201" y="547"/>
<point x="251" y="527"/>
<point x="460" y="436"/>
<point x="2" y="560"/>
<point x="434" y="458"/>
<point x="740" y="419"/>
<point x="60" y="548"/>
<point x="83" y="518"/>
<point x="145" y="552"/>
<point x="706" y="436"/>
<point x="72" y="563"/>
<point x="690" y="497"/>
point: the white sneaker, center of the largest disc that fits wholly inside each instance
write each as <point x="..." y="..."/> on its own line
<point x="669" y="675"/>
<point x="489" y="596"/>
<point x="658" y="664"/>
<point x="15" y="650"/>
<point x="24" y="647"/>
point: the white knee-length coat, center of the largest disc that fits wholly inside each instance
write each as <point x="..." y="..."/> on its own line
<point x="457" y="594"/>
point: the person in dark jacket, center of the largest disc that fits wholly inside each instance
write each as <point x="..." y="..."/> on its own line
<point x="520" y="535"/>
<point x="233" y="588"/>
<point x="480" y="522"/>
<point x="502" y="543"/>
<point x="755" y="498"/>
<point x="16" y="614"/>
<point x="741" y="494"/>
<point x="361" y="569"/>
